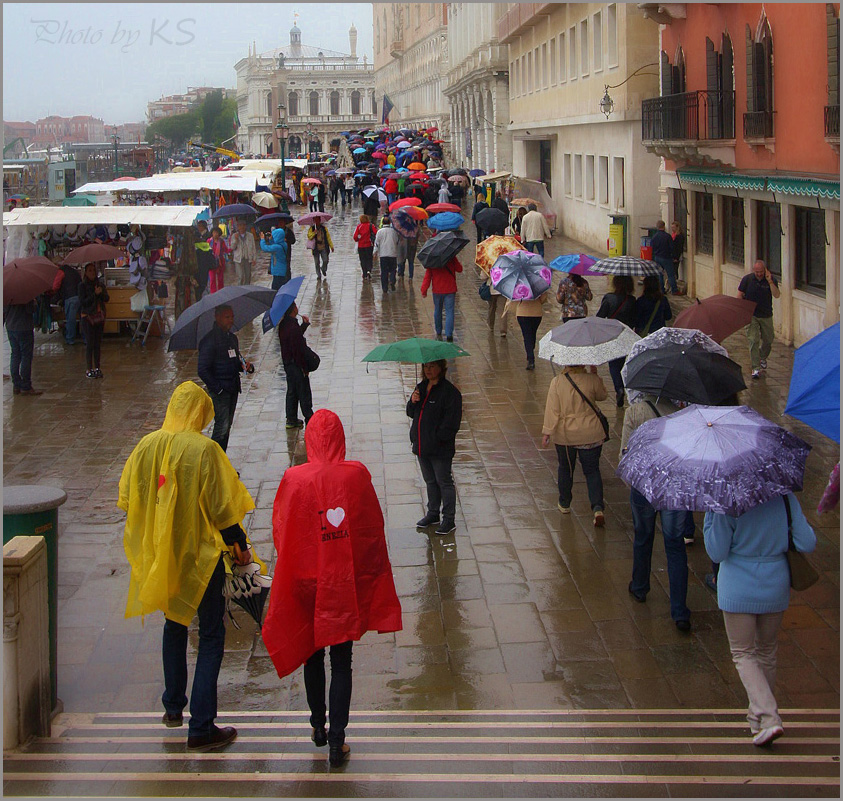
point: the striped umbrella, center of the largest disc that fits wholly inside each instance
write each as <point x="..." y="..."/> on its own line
<point x="626" y="265"/>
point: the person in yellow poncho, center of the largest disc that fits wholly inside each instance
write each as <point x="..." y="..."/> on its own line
<point x="184" y="503"/>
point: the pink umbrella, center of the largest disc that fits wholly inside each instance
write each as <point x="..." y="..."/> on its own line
<point x="313" y="218"/>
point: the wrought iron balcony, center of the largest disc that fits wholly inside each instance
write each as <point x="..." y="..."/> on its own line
<point x="758" y="125"/>
<point x="689" y="116"/>
<point x="832" y="122"/>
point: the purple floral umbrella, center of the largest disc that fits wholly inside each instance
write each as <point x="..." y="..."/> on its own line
<point x="725" y="459"/>
<point x="521" y="275"/>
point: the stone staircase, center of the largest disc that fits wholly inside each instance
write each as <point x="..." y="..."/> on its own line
<point x="438" y="754"/>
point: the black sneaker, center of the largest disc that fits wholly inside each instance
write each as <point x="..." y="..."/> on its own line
<point x="446" y="527"/>
<point x="295" y="423"/>
<point x="449" y="339"/>
<point x="639" y="596"/>
<point x="429" y="519"/>
<point x="172" y="720"/>
<point x="218" y="738"/>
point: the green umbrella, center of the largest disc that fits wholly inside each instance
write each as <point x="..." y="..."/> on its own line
<point x="415" y="351"/>
<point x="80" y="200"/>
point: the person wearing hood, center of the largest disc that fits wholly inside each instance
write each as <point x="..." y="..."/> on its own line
<point x="184" y="503"/>
<point x="275" y="243"/>
<point x="333" y="579"/>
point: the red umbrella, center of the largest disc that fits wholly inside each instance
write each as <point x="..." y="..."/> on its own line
<point x="420" y="176"/>
<point x="26" y="279"/>
<point x="718" y="316"/>
<point x="414" y="212"/>
<point x="405" y="201"/>
<point x="435" y="208"/>
<point x="94" y="252"/>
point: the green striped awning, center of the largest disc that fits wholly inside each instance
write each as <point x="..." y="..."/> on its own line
<point x="804" y="187"/>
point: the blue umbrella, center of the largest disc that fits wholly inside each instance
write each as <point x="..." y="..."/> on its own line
<point x="283" y="300"/>
<point x="331" y="172"/>
<point x="577" y="263"/>
<point x="475" y="173"/>
<point x="445" y="221"/>
<point x="814" y="396"/>
<point x="235" y="210"/>
<point x="360" y="175"/>
<point x="359" y="150"/>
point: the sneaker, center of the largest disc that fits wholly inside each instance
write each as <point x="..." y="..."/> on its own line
<point x="710" y="581"/>
<point x="98" y="373"/>
<point x="295" y="423"/>
<point x="767" y="736"/>
<point x="90" y="374"/>
<point x="566" y="510"/>
<point x="763" y="364"/>
<point x="756" y="374"/>
<point x="449" y="339"/>
<point x="599" y="520"/>
<point x="683" y="625"/>
<point x="446" y="527"/>
<point x="430" y="519"/>
<point x="172" y="720"/>
<point x="688" y="540"/>
<point x="503" y="334"/>
<point x="531" y="365"/>
<point x="218" y="738"/>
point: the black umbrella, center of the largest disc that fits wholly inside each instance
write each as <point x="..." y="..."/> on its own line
<point x="247" y="588"/>
<point x="492" y="220"/>
<point x="247" y="302"/>
<point x="268" y="220"/>
<point x="685" y="373"/>
<point x="235" y="210"/>
<point x="438" y="250"/>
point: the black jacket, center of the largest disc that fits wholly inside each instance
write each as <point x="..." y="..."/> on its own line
<point x="218" y="369"/>
<point x="436" y="420"/>
<point x="88" y="298"/>
<point x="611" y="307"/>
<point x="69" y="284"/>
<point x="371" y="206"/>
<point x="292" y="341"/>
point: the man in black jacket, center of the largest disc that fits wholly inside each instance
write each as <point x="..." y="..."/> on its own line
<point x="478" y="207"/>
<point x="436" y="409"/>
<point x="220" y="365"/>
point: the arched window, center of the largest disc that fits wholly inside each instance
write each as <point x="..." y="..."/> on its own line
<point x="335" y="103"/>
<point x="314" y="103"/>
<point x="269" y="104"/>
<point x="355" y="102"/>
<point x="758" y="121"/>
<point x="293" y="104"/>
<point x="374" y="106"/>
<point x="294" y="145"/>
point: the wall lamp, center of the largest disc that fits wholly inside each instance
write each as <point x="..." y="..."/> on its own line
<point x="607" y="105"/>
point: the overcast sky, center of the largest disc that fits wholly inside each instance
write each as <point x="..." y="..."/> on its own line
<point x="109" y="60"/>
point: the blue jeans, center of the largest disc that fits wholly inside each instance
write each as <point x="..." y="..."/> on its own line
<point x="447" y="302"/>
<point x="536" y="247"/>
<point x="22" y="344"/>
<point x="670" y="270"/>
<point x="339" y="696"/>
<point x="203" y="696"/>
<point x="71" y="316"/>
<point x="590" y="461"/>
<point x="674" y="526"/>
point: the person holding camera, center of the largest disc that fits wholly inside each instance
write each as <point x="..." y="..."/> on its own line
<point x="299" y="361"/>
<point x="220" y="365"/>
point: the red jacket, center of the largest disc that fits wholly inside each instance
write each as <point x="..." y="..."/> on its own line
<point x="391" y="186"/>
<point x="333" y="580"/>
<point x="364" y="235"/>
<point x="443" y="278"/>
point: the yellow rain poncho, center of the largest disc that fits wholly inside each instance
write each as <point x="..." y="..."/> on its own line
<point x="178" y="490"/>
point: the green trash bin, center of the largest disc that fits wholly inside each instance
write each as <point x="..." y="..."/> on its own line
<point x="33" y="511"/>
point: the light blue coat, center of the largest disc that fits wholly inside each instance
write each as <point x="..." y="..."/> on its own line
<point x="279" y="250"/>
<point x="754" y="577"/>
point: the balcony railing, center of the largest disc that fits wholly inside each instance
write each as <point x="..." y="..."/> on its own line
<point x="300" y="119"/>
<point x="832" y="122"/>
<point x="689" y="116"/>
<point x="758" y="125"/>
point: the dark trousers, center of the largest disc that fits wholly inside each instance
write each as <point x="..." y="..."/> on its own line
<point x="389" y="264"/>
<point x="480" y="235"/>
<point x="203" y="696"/>
<point x="22" y="344"/>
<point x="298" y="393"/>
<point x="670" y="271"/>
<point x="93" y="342"/>
<point x="410" y="260"/>
<point x="279" y="280"/>
<point x="440" y="486"/>
<point x="365" y="256"/>
<point x="536" y="247"/>
<point x="615" y="367"/>
<point x="674" y="524"/>
<point x="590" y="461"/>
<point x="339" y="696"/>
<point x="529" y="329"/>
<point x="224" y="405"/>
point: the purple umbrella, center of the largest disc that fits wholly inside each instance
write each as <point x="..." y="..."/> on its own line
<point x="520" y="275"/>
<point x="576" y="263"/>
<point x="404" y="224"/>
<point x="725" y="459"/>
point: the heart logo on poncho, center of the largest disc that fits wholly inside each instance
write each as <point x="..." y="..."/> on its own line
<point x="335" y="516"/>
<point x="161" y="481"/>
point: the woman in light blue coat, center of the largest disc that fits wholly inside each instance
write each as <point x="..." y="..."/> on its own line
<point x="753" y="590"/>
<point x="275" y="243"/>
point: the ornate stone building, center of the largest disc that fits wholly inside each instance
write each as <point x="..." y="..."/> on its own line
<point x="477" y="87"/>
<point x="323" y="91"/>
<point x="411" y="59"/>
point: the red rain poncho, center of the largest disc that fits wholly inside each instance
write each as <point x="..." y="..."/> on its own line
<point x="333" y="580"/>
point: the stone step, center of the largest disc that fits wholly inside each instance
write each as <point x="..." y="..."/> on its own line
<point x="438" y="753"/>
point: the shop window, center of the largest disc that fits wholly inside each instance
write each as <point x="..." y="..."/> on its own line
<point x="619" y="182"/>
<point x="733" y="230"/>
<point x="704" y="224"/>
<point x="810" y="250"/>
<point x="769" y="236"/>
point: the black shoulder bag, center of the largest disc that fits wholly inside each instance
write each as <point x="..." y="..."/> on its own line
<point x="802" y="575"/>
<point x="600" y="416"/>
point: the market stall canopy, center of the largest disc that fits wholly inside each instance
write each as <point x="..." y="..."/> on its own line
<point x="265" y="165"/>
<point x="494" y="176"/>
<point x="242" y="181"/>
<point x="176" y="216"/>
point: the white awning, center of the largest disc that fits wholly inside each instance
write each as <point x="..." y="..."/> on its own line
<point x="241" y="181"/>
<point x="492" y="176"/>
<point x="176" y="216"/>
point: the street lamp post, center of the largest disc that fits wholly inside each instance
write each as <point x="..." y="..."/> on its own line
<point x="115" y="139"/>
<point x="281" y="130"/>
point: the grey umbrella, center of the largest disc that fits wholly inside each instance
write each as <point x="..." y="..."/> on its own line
<point x="247" y="302"/>
<point x="592" y="340"/>
<point x="626" y="265"/>
<point x="440" y="249"/>
<point x="520" y="275"/>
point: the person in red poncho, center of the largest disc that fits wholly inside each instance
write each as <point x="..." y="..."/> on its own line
<point x="333" y="579"/>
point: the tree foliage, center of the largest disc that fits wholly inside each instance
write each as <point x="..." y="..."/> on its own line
<point x="213" y="119"/>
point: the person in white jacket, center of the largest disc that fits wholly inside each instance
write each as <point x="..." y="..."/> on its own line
<point x="244" y="252"/>
<point x="534" y="230"/>
<point x="389" y="248"/>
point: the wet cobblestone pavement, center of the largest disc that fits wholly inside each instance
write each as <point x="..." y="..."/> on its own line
<point x="521" y="609"/>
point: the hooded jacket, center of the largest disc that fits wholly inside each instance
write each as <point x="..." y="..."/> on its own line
<point x="436" y="420"/>
<point x="179" y="491"/>
<point x="279" y="250"/>
<point x="333" y="579"/>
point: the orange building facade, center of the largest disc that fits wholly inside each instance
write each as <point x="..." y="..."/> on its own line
<point x="748" y="124"/>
